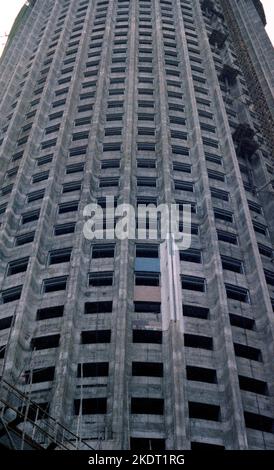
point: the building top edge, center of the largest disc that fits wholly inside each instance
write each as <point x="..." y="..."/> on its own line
<point x="260" y="9"/>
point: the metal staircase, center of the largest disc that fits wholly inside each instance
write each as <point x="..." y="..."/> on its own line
<point x="26" y="425"/>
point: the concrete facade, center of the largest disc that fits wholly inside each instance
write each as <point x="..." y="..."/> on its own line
<point x="124" y="343"/>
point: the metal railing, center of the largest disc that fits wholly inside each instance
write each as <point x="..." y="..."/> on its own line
<point x="31" y="424"/>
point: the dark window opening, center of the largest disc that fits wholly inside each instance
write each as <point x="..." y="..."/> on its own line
<point x="67" y="207"/>
<point x="237" y="293"/>
<point x="220" y="194"/>
<point x="147" y="337"/>
<point x="201" y="374"/>
<point x="50" y="312"/>
<point x="108" y="182"/>
<point x="40" y="177"/>
<point x="146" y="181"/>
<point x="194" y="311"/>
<point x="5" y="323"/>
<point x="24" y="239"/>
<point x="191" y="255"/>
<point x="30" y="217"/>
<point x="40" y="375"/>
<point x="242" y="322"/>
<point x="247" y="352"/>
<point x="96" y="337"/>
<point x="269" y="277"/>
<point x="216" y="175"/>
<point x="146" y="163"/>
<point x="73" y="186"/>
<point x="197" y="341"/>
<point x="147" y="406"/>
<point x="64" y="229"/>
<point x="223" y="215"/>
<point x="114" y="163"/>
<point x="259" y="422"/>
<point x="45" y="342"/>
<point x="95" y="369"/>
<point x="36" y="195"/>
<point x="147" y="307"/>
<point x="2" y="351"/>
<point x="193" y="283"/>
<point x="184" y="186"/>
<point x="90" y="406"/>
<point x="232" y="264"/>
<point x="103" y="251"/>
<point x="147" y="279"/>
<point x="265" y="251"/>
<point x="75" y="168"/>
<point x="18" y="266"/>
<point x="253" y="385"/>
<point x="260" y="228"/>
<point x="60" y="256"/>
<point x="98" y="307"/>
<point x="204" y="411"/>
<point x="254" y="207"/>
<point x="100" y="279"/>
<point x="182" y="167"/>
<point x="227" y="237"/>
<point x="55" y="285"/>
<point x="147" y="251"/>
<point x="147" y="369"/>
<point x="11" y="295"/>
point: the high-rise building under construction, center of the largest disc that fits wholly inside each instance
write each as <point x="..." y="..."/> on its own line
<point x="128" y="343"/>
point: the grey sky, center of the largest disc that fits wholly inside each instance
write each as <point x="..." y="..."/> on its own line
<point x="269" y="11"/>
<point x="9" y="10"/>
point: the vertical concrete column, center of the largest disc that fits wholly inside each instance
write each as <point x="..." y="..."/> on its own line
<point x="258" y="44"/>
<point x="260" y="298"/>
<point x="19" y="344"/>
<point x="9" y="143"/>
<point x="257" y="63"/>
<point x="66" y="367"/>
<point x="173" y="340"/>
<point x="264" y="188"/>
<point x="256" y="58"/>
<point x="177" y="420"/>
<point x="256" y="163"/>
<point x="121" y="324"/>
<point x="232" y="411"/>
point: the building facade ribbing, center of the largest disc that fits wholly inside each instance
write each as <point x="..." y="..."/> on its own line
<point x="149" y="101"/>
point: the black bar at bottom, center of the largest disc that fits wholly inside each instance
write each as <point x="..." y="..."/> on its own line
<point x="181" y="459"/>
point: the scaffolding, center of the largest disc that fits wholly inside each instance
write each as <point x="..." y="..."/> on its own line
<point x="244" y="138"/>
<point x="26" y="425"/>
<point x="260" y="103"/>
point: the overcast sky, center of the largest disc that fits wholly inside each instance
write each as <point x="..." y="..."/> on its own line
<point x="9" y="10"/>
